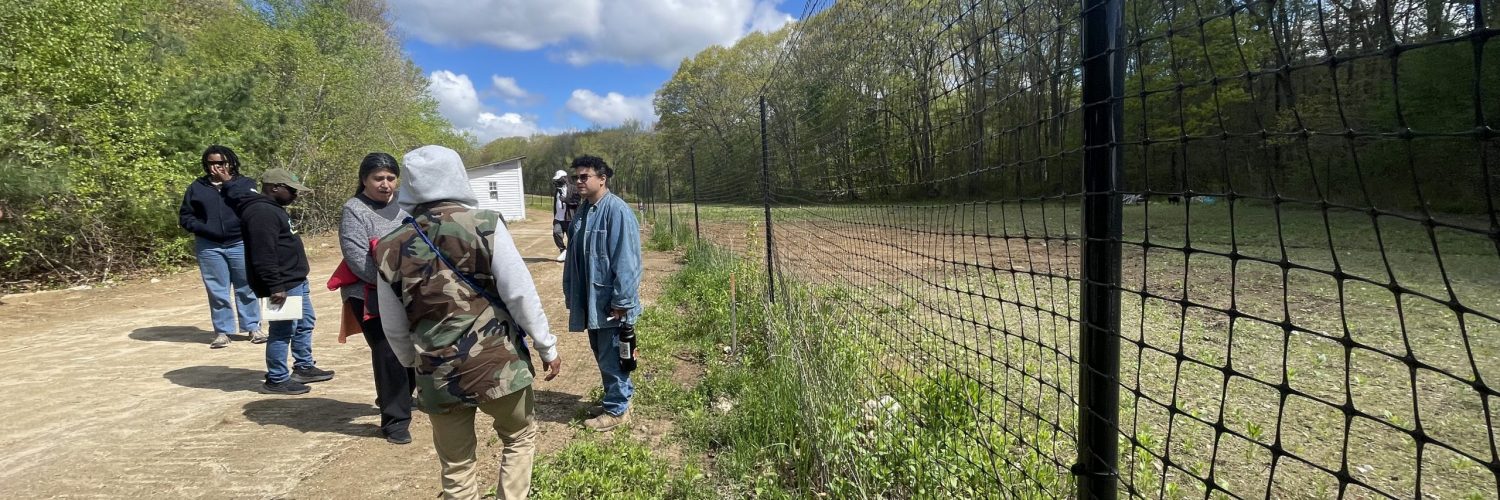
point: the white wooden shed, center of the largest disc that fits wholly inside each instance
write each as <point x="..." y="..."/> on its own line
<point x="498" y="187"/>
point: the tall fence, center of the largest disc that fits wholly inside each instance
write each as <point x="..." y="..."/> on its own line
<point x="1175" y="248"/>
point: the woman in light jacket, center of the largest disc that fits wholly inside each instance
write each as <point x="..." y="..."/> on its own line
<point x="369" y="215"/>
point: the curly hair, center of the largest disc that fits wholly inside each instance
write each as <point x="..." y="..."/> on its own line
<point x="234" y="160"/>
<point x="593" y="162"/>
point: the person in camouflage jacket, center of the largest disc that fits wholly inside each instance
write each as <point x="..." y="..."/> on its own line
<point x="468" y="353"/>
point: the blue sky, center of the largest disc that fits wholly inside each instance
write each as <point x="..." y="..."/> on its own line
<point x="502" y="68"/>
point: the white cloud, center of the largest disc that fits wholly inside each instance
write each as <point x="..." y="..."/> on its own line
<point x="457" y="100"/>
<point x="612" y="108"/>
<point x="585" y="31"/>
<point x="508" y="88"/>
<point x="766" y="19"/>
<point x="508" y="24"/>
<point x="489" y="126"/>
<point x="459" y="103"/>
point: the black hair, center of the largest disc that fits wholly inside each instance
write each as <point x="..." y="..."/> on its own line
<point x="375" y="162"/>
<point x="594" y="162"/>
<point x="234" y="161"/>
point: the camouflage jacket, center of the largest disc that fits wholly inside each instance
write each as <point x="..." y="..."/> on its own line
<point x="469" y="352"/>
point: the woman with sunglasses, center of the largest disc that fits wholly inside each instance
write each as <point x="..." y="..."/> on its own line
<point x="219" y="247"/>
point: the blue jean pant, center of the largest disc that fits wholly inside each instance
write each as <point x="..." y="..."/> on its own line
<point x="223" y="270"/>
<point x="297" y="333"/>
<point x="617" y="387"/>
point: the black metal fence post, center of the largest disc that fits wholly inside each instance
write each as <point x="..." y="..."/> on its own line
<point x="671" y="217"/>
<point x="693" y="171"/>
<point x="765" y="190"/>
<point x="1103" y="162"/>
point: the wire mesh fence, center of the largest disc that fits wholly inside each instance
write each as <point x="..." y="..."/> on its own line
<point x="1151" y="248"/>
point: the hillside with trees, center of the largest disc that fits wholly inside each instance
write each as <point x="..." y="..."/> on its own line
<point x="106" y="106"/>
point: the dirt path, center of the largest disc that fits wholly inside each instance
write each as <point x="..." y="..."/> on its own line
<point x="114" y="393"/>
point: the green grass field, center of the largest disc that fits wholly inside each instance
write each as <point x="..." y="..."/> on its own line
<point x="1375" y="336"/>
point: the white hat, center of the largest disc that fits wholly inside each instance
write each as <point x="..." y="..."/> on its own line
<point x="560" y="174"/>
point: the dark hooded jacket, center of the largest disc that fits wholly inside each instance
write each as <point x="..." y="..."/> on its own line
<point x="205" y="214"/>
<point x="274" y="255"/>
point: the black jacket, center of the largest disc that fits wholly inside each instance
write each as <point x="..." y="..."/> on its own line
<point x="569" y="198"/>
<point x="205" y="213"/>
<point x="274" y="257"/>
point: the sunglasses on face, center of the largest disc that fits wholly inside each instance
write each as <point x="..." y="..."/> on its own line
<point x="583" y="177"/>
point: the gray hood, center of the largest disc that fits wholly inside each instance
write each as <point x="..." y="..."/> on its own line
<point x="433" y="173"/>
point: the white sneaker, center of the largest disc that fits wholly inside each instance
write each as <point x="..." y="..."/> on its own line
<point x="562" y="256"/>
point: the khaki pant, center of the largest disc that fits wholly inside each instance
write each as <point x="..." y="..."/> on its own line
<point x="453" y="436"/>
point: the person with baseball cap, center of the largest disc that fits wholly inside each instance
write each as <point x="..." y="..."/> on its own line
<point x="564" y="204"/>
<point x="277" y="265"/>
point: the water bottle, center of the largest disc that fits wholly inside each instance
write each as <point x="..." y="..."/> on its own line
<point x="627" y="348"/>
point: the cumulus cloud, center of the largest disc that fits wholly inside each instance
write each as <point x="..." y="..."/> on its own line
<point x="612" y="108"/>
<point x="489" y="126"/>
<point x="508" y="88"/>
<point x="508" y="24"/>
<point x="455" y="94"/>
<point x="766" y="19"/>
<point x="459" y="102"/>
<point x="585" y="31"/>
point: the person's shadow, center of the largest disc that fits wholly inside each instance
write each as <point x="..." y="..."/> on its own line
<point x="312" y="414"/>
<point x="222" y="378"/>
<point x="187" y="334"/>
<point x="559" y="407"/>
<point x="534" y="260"/>
<point x="305" y="414"/>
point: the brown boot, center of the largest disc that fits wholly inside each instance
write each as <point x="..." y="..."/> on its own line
<point x="606" y="422"/>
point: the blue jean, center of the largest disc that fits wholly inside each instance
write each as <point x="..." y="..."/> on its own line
<point x="223" y="266"/>
<point x="617" y="387"/>
<point x="298" y="333"/>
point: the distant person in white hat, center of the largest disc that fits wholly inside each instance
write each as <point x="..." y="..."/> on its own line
<point x="564" y="204"/>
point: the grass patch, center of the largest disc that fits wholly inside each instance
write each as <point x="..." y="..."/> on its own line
<point x="813" y="403"/>
<point x="539" y="202"/>
<point x="667" y="234"/>
<point x="1232" y="364"/>
<point x="929" y="351"/>
<point x="613" y="467"/>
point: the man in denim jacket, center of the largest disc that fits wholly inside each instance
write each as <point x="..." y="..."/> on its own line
<point x="601" y="282"/>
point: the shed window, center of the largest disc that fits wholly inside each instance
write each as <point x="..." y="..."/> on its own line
<point x="494" y="190"/>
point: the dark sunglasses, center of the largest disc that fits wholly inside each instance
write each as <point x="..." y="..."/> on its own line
<point x="584" y="177"/>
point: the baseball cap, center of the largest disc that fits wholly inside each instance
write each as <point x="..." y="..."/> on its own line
<point x="282" y="176"/>
<point x="560" y="174"/>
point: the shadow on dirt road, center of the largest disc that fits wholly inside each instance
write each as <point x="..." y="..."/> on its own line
<point x="223" y="378"/>
<point x="187" y="334"/>
<point x="313" y="415"/>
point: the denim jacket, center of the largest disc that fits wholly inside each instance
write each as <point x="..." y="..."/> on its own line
<point x="603" y="267"/>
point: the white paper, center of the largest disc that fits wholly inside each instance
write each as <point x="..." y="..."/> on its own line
<point x="290" y="310"/>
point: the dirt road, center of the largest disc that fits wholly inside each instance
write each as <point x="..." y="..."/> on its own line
<point x="113" y="393"/>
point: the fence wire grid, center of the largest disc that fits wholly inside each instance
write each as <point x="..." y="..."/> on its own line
<point x="1279" y="217"/>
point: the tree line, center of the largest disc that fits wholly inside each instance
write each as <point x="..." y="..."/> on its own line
<point x="105" y="108"/>
<point x="1367" y="103"/>
<point x="630" y="149"/>
<point x="1388" y="103"/>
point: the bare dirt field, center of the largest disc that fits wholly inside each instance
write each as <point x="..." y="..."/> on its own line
<point x="114" y="393"/>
